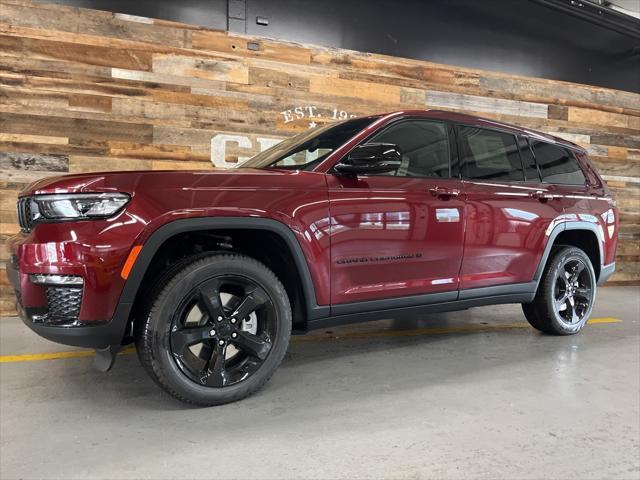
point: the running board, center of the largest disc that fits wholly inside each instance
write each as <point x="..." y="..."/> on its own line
<point x="398" y="312"/>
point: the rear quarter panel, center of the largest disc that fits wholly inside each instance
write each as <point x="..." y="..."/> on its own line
<point x="601" y="203"/>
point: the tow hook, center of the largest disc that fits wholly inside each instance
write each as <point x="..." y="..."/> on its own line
<point x="106" y="357"/>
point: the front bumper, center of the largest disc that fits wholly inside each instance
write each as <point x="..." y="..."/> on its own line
<point x="97" y="334"/>
<point x="86" y="315"/>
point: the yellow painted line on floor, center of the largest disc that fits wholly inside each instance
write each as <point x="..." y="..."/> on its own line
<point x="36" y="357"/>
<point x="604" y="320"/>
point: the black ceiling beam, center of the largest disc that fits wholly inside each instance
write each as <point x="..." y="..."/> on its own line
<point x="597" y="14"/>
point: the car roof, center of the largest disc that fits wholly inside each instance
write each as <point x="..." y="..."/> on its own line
<point x="485" y="123"/>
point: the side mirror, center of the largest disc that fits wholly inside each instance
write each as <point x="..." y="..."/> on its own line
<point x="371" y="158"/>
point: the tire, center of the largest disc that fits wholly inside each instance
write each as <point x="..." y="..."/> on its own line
<point x="215" y="329"/>
<point x="566" y="293"/>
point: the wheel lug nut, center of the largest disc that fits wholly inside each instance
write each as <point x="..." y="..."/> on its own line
<point x="221" y="342"/>
<point x="234" y="335"/>
<point x="212" y="332"/>
<point x="220" y="319"/>
<point x="234" y="320"/>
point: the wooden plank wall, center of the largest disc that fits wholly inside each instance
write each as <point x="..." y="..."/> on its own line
<point x="84" y="90"/>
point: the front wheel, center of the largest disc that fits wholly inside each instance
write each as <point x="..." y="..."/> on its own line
<point x="216" y="329"/>
<point x="565" y="296"/>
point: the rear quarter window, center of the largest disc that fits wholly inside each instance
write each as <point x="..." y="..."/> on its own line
<point x="557" y="164"/>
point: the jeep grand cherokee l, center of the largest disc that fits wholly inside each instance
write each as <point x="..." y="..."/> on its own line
<point x="209" y="272"/>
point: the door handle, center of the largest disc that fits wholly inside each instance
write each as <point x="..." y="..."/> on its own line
<point x="444" y="193"/>
<point x="541" y="195"/>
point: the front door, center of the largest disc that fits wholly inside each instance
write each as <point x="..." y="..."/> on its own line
<point x="399" y="234"/>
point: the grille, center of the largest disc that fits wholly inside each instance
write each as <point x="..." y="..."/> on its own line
<point x="24" y="214"/>
<point x="63" y="304"/>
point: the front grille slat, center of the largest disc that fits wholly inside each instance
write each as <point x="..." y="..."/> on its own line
<point x="63" y="305"/>
<point x="24" y="214"/>
<point x="20" y="206"/>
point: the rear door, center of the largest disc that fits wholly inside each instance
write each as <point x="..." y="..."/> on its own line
<point x="399" y="234"/>
<point x="507" y="210"/>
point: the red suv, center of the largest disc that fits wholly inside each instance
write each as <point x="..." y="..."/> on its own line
<point x="410" y="212"/>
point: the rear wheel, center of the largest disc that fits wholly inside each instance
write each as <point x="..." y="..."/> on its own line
<point x="565" y="297"/>
<point x="216" y="331"/>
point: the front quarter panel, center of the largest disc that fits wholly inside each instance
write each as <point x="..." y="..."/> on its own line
<point x="296" y="199"/>
<point x="97" y="249"/>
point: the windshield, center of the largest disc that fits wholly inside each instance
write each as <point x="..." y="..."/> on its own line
<point x="304" y="151"/>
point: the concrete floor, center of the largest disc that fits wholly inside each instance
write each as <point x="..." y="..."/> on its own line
<point x="473" y="394"/>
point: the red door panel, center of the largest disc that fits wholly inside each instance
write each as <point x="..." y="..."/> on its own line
<point x="391" y="237"/>
<point x="506" y="232"/>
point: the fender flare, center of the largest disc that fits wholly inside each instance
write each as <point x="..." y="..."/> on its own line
<point x="163" y="233"/>
<point x="563" y="227"/>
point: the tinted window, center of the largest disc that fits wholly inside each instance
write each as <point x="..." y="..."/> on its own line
<point x="424" y="146"/>
<point x="529" y="163"/>
<point x="557" y="165"/>
<point x="489" y="155"/>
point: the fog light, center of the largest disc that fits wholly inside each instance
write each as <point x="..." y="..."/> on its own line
<point x="68" y="280"/>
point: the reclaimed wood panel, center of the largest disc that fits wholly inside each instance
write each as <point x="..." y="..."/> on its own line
<point x="338" y="87"/>
<point x="90" y="54"/>
<point x="478" y="103"/>
<point x="85" y="90"/>
<point x="250" y="47"/>
<point x="34" y="161"/>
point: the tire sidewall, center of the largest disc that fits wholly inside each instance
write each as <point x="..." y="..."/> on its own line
<point x="162" y="313"/>
<point x="559" y="261"/>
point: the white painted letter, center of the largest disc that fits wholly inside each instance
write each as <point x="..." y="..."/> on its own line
<point x="288" y="117"/>
<point x="219" y="149"/>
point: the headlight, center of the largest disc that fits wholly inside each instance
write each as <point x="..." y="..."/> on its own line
<point x="76" y="206"/>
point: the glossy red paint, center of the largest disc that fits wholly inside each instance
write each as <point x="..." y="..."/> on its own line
<point x="363" y="238"/>
<point x="505" y="232"/>
<point x="97" y="249"/>
<point x="595" y="200"/>
<point x="391" y="237"/>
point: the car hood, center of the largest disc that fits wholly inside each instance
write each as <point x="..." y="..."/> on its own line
<point x="133" y="181"/>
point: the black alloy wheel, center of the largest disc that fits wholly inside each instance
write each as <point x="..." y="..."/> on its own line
<point x="566" y="293"/>
<point x="573" y="291"/>
<point x="218" y="342"/>
<point x="215" y="329"/>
